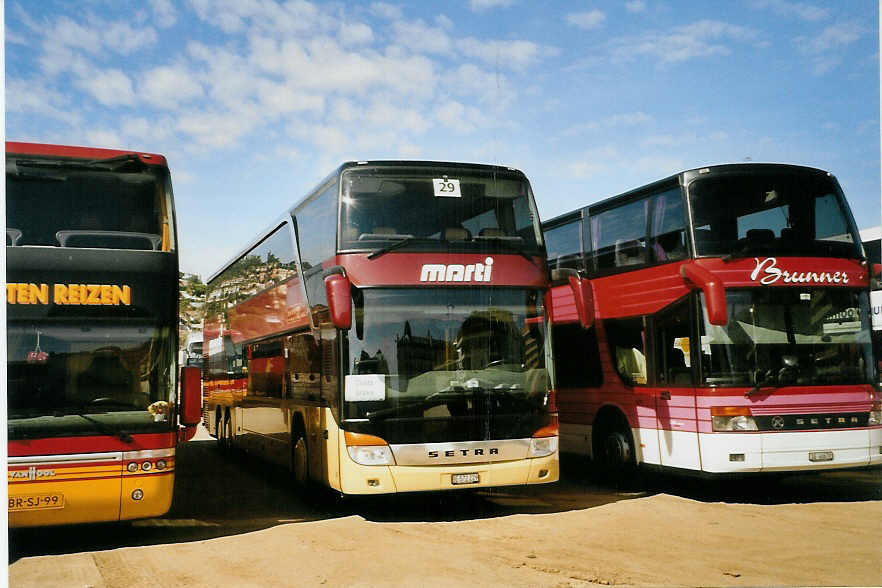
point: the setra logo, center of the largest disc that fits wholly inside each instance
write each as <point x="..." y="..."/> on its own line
<point x="454" y="272"/>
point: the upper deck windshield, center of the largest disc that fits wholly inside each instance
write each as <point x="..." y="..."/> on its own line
<point x="789" y="337"/>
<point x="781" y="211"/>
<point x="75" y="379"/>
<point x="117" y="203"/>
<point x="447" y="208"/>
<point x="446" y="364"/>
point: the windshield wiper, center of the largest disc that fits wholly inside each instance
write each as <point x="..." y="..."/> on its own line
<point x="108" y="164"/>
<point x="106" y="429"/>
<point x="397" y="245"/>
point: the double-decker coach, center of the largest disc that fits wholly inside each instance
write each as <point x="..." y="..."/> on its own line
<point x="388" y="334"/>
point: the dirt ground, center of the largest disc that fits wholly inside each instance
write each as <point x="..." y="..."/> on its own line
<point x="571" y="534"/>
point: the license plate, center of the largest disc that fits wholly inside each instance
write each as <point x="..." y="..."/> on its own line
<point x="821" y="456"/>
<point x="36" y="502"/>
<point x="457" y="479"/>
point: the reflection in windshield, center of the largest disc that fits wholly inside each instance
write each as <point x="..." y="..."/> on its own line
<point x="447" y="354"/>
<point x="57" y="370"/>
<point x="797" y="212"/>
<point x="460" y="207"/>
<point x="789" y="337"/>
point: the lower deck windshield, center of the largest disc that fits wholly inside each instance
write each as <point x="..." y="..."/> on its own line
<point x="446" y="364"/>
<point x="789" y="337"/>
<point x="77" y="379"/>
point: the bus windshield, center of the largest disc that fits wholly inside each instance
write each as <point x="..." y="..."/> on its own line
<point x="789" y="337"/>
<point x="70" y="378"/>
<point x="795" y="212"/>
<point x="447" y="364"/>
<point x="71" y="203"/>
<point x="467" y="209"/>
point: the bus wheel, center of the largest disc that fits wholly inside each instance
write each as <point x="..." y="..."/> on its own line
<point x="300" y="460"/>
<point x="219" y="429"/>
<point x="614" y="453"/>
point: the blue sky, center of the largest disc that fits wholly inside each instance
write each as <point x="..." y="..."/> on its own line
<point x="254" y="101"/>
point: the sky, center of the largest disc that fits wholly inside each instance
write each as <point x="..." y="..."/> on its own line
<point x="255" y="101"/>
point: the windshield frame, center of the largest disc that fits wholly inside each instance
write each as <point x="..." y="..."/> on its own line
<point x="696" y="179"/>
<point x="410" y="241"/>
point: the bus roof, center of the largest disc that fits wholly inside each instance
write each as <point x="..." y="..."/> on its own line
<point x="719" y="168"/>
<point x="45" y="149"/>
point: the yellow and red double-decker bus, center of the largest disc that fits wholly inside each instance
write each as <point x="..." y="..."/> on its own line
<point x="388" y="334"/>
<point x="93" y="400"/>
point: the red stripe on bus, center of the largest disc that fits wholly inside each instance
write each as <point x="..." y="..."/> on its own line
<point x="91" y="444"/>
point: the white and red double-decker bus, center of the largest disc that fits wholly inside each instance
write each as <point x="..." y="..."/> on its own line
<point x="388" y="334"/>
<point x="94" y="404"/>
<point x="716" y="321"/>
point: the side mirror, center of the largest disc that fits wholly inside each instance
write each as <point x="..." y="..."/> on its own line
<point x="714" y="292"/>
<point x="191" y="396"/>
<point x="583" y="295"/>
<point x="339" y="292"/>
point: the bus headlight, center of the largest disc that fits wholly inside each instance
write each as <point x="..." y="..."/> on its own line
<point x="542" y="446"/>
<point x="734" y="423"/>
<point x="875" y="415"/>
<point x="371" y="455"/>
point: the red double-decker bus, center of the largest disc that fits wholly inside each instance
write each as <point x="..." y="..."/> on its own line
<point x="716" y="321"/>
<point x="387" y="334"/>
<point x="94" y="403"/>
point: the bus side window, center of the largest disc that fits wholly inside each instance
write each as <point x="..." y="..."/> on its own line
<point x="619" y="235"/>
<point x="627" y="340"/>
<point x="667" y="229"/>
<point x="577" y="363"/>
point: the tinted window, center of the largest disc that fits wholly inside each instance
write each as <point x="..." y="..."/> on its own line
<point x="564" y="245"/>
<point x="438" y="209"/>
<point x="791" y="212"/>
<point x="673" y="344"/>
<point x="577" y="358"/>
<point x="619" y="235"/>
<point x="667" y="228"/>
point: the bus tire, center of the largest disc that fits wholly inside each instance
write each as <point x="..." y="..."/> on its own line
<point x="614" y="451"/>
<point x="225" y="432"/>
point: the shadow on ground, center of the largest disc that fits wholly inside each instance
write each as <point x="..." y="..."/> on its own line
<point x="218" y="494"/>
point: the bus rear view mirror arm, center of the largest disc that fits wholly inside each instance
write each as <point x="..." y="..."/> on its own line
<point x="339" y="292"/>
<point x="582" y="294"/>
<point x="714" y="292"/>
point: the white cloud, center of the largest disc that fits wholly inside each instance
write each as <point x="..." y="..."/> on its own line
<point x="592" y="19"/>
<point x="166" y="87"/>
<point x="218" y="129"/>
<point x="31" y="96"/>
<point x="106" y="138"/>
<point x="420" y="37"/>
<point x="492" y="89"/>
<point x="459" y="117"/>
<point x="265" y="17"/>
<point x="801" y="10"/>
<point x="278" y="98"/>
<point x="824" y="49"/>
<point x="164" y="13"/>
<point x="703" y="38"/>
<point x="635" y="6"/>
<point x="110" y="87"/>
<point x="387" y="11"/>
<point x="832" y="37"/>
<point x="481" y="5"/>
<point x="512" y="54"/>
<point x="355" y="34"/>
<point x="628" y="119"/>
<point x="121" y="37"/>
